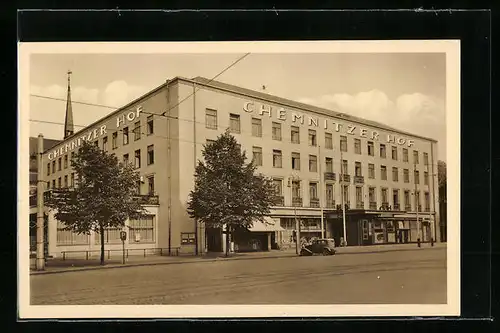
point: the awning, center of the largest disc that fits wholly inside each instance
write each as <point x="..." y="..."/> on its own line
<point x="270" y="226"/>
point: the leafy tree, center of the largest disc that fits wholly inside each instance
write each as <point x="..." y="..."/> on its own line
<point x="227" y="191"/>
<point x="103" y="198"/>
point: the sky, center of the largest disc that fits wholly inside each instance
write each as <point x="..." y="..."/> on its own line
<point x="403" y="90"/>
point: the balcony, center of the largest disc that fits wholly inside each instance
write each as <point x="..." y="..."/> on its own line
<point x="147" y="199"/>
<point x="360" y="205"/>
<point x="329" y="175"/>
<point x="396" y="206"/>
<point x="359" y="180"/>
<point x="330" y="203"/>
<point x="279" y="201"/>
<point x="408" y="208"/>
<point x="385" y="206"/>
<point x="427" y="209"/>
<point x="314" y="203"/>
<point x="373" y="205"/>
<point x="296" y="202"/>
<point x="344" y="178"/>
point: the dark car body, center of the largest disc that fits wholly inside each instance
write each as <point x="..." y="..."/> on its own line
<point x="325" y="247"/>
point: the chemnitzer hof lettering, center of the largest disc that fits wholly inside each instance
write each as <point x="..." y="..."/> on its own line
<point x="94" y="133"/>
<point x="281" y="114"/>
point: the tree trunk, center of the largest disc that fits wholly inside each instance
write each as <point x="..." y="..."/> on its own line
<point x="101" y="231"/>
<point x="227" y="240"/>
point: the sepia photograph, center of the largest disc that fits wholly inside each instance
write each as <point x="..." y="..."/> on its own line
<point x="262" y="179"/>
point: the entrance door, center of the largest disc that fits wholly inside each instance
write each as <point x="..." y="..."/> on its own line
<point x="214" y="240"/>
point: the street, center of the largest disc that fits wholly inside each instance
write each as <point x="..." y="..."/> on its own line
<point x="398" y="277"/>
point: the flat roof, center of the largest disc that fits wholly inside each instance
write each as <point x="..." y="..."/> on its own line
<point x="254" y="94"/>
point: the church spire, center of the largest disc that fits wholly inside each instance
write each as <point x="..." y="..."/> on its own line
<point x="68" y="122"/>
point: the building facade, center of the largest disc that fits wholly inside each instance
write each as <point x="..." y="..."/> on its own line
<point x="317" y="158"/>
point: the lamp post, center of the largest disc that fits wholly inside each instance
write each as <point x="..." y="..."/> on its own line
<point x="297" y="225"/>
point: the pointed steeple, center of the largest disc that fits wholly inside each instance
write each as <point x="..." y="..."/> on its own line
<point x="68" y="122"/>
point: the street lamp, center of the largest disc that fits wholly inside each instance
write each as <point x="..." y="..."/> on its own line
<point x="297" y="225"/>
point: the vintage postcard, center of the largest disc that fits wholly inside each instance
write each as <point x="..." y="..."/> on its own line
<point x="262" y="179"/>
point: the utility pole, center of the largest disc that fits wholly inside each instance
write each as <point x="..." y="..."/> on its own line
<point x="40" y="220"/>
<point x="321" y="192"/>
<point x="169" y="173"/>
<point x="341" y="182"/>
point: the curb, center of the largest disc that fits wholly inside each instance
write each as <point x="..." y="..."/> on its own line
<point x="217" y="259"/>
<point x="156" y="264"/>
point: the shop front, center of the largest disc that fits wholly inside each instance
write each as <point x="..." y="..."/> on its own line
<point x="261" y="236"/>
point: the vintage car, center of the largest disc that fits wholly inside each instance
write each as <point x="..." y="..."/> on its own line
<point x="325" y="247"/>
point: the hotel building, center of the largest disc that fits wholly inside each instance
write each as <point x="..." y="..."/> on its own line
<point x="318" y="160"/>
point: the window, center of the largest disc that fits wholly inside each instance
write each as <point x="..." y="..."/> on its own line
<point x="382" y="151"/>
<point x="151" y="154"/>
<point x="427" y="201"/>
<point x="65" y="181"/>
<point x="151" y="185"/>
<point x="138" y="187"/>
<point x="150" y="125"/>
<point x="96" y="143"/>
<point x="313" y="163"/>
<point x="357" y="169"/>
<point x="142" y="230"/>
<point x="257" y="127"/>
<point x="53" y="183"/>
<point x="359" y="197"/>
<point x="295" y="161"/>
<point x="405" y="155"/>
<point x="415" y="157"/>
<point x="278" y="186"/>
<point x="383" y="172"/>
<point x="343" y="143"/>
<point x="345" y="194"/>
<point x="395" y="199"/>
<point x="65" y="161"/>
<point x="187" y="238"/>
<point x="328" y="141"/>
<point x="357" y="146"/>
<point x="370" y="148"/>
<point x="426" y="159"/>
<point x="395" y="153"/>
<point x="257" y="156"/>
<point x="211" y="119"/>
<point x="313" y="191"/>
<point x="395" y="174"/>
<point x="234" y="123"/>
<point x="68" y="237"/>
<point x="114" y="140"/>
<point x="59" y="182"/>
<point x="105" y="143"/>
<point x="426" y="178"/>
<point x="209" y="142"/>
<point x="329" y="195"/>
<point x="276" y="131"/>
<point x="296" y="189"/>
<point x="329" y="164"/>
<point x="371" y="171"/>
<point x="48" y="185"/>
<point x="125" y="159"/>
<point x="344" y="169"/>
<point x="137" y="158"/>
<point x="72" y="180"/>
<point x="137" y="131"/>
<point x="48" y="169"/>
<point x="125" y="136"/>
<point x="72" y="155"/>
<point x="407" y="200"/>
<point x="111" y="236"/>
<point x="312" y="138"/>
<point x="384" y="196"/>
<point x="53" y="166"/>
<point x="371" y="195"/>
<point x="417" y="201"/>
<point x="277" y="159"/>
<point x="295" y="134"/>
<point x="406" y="175"/>
<point x="417" y="177"/>
<point x="59" y="160"/>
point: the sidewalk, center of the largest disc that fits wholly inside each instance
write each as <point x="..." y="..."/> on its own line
<point x="74" y="265"/>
